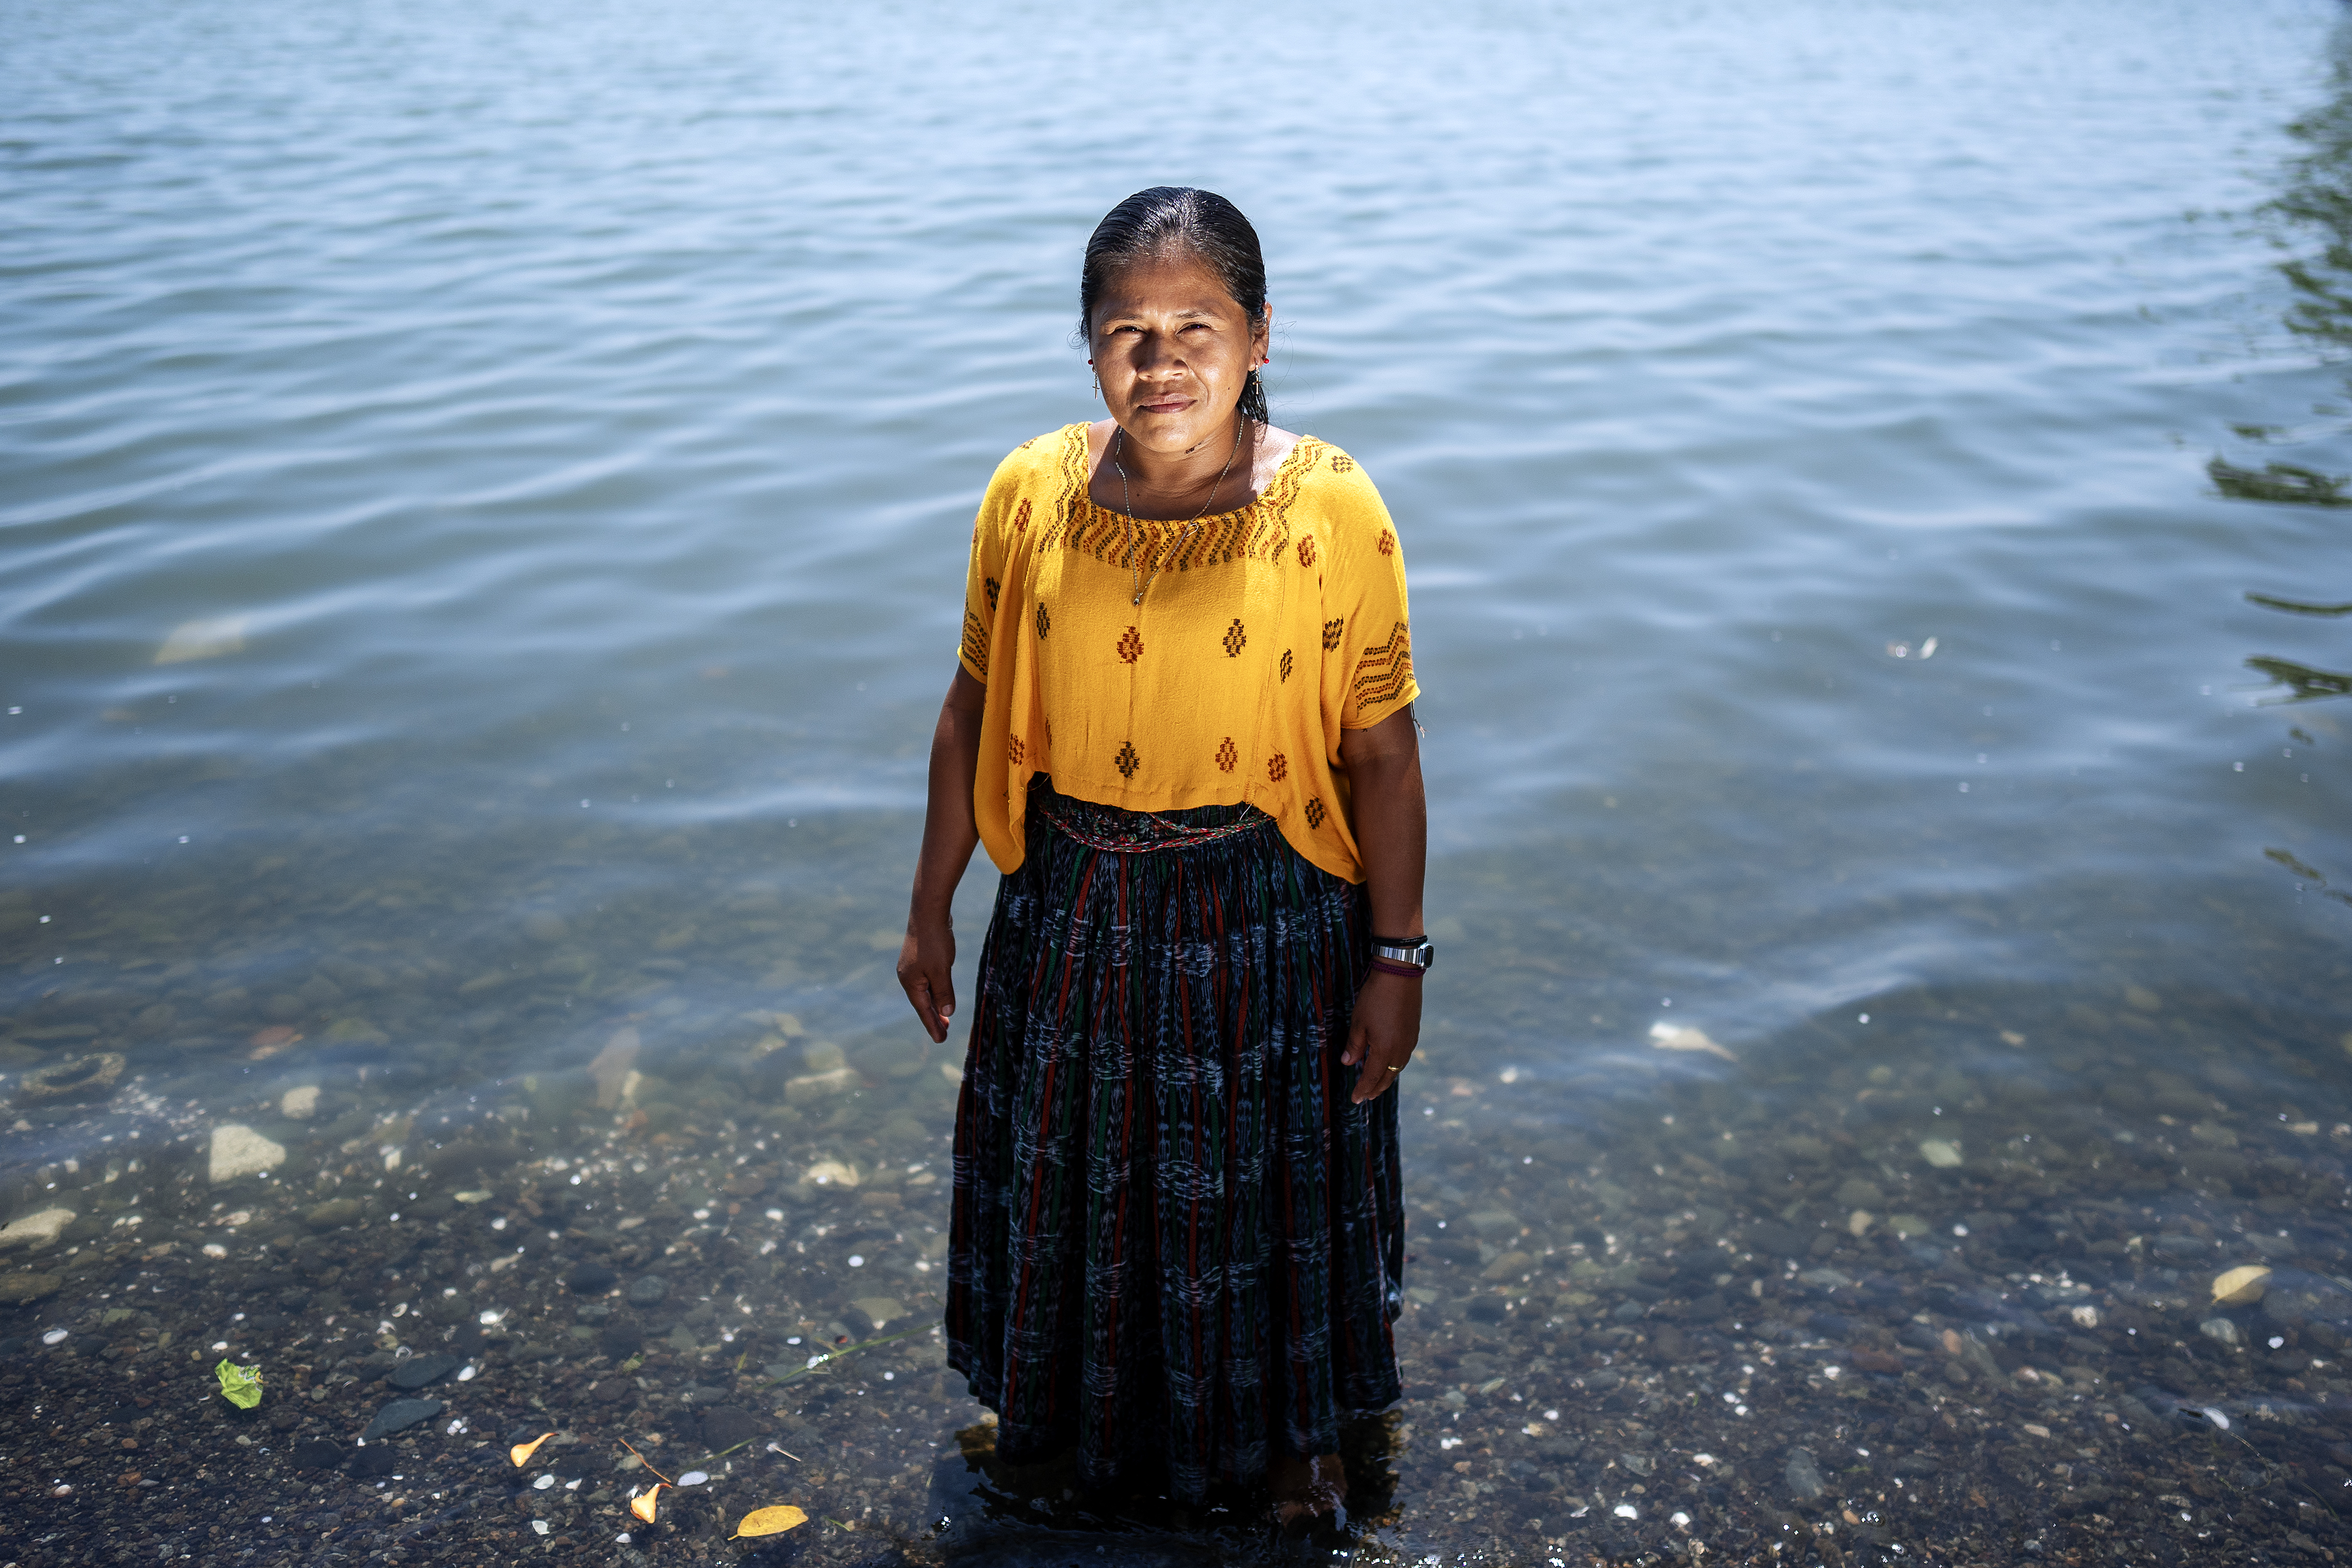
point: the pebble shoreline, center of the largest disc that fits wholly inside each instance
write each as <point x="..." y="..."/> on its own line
<point x="1933" y="1306"/>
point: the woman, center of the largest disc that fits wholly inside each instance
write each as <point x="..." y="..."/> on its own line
<point x="1182" y="726"/>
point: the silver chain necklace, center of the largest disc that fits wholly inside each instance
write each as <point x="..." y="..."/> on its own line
<point x="1127" y="506"/>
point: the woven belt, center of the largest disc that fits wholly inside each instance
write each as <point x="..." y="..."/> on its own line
<point x="1119" y="832"/>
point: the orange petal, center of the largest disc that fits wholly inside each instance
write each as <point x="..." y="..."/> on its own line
<point x="642" y="1506"/>
<point x="522" y="1452"/>
<point x="771" y="1520"/>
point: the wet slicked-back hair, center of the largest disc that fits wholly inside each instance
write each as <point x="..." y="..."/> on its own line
<point x="1169" y="218"/>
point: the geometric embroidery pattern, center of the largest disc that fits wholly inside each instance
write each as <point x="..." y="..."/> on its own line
<point x="1235" y="641"/>
<point x="1021" y="517"/>
<point x="1385" y="669"/>
<point x="1127" y="762"/>
<point x="1258" y="531"/>
<point x="1286" y="664"/>
<point x="1306" y="550"/>
<point x="1130" y="647"/>
<point x="1314" y="813"/>
<point x="1227" y="758"/>
<point x="993" y="588"/>
<point x="1342" y="464"/>
<point x="975" y="642"/>
<point x="1045" y="621"/>
<point x="1012" y="749"/>
<point x="1332" y="632"/>
<point x="1388" y="542"/>
<point x="1277" y="768"/>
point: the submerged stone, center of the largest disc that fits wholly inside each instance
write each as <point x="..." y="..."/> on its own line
<point x="23" y="1290"/>
<point x="40" y="1229"/>
<point x="400" y="1416"/>
<point x="418" y="1371"/>
<point x="238" y="1151"/>
<point x="2240" y="1287"/>
<point x="76" y="1081"/>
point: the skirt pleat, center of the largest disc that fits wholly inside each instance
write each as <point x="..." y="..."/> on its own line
<point x="1176" y="1246"/>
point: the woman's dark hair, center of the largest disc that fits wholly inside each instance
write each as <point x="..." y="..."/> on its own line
<point x="1177" y="217"/>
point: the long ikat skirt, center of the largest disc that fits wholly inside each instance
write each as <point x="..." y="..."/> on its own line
<point x="1176" y="1246"/>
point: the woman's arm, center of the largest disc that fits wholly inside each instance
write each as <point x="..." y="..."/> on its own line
<point x="927" y="958"/>
<point x="1391" y="822"/>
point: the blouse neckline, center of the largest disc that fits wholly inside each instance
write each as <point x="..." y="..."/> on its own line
<point x="1251" y="504"/>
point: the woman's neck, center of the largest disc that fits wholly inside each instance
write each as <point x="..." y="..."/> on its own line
<point x="1214" y="475"/>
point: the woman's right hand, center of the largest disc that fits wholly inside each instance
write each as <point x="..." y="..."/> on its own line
<point x="927" y="972"/>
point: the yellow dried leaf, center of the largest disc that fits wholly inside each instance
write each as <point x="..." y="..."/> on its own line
<point x="522" y="1452"/>
<point x="771" y="1520"/>
<point x="642" y="1506"/>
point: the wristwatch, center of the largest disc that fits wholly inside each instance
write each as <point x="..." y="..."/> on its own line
<point x="1418" y="953"/>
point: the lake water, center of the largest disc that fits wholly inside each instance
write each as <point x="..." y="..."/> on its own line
<point x="483" y="495"/>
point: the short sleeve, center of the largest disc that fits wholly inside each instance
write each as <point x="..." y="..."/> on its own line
<point x="1370" y="594"/>
<point x="984" y="576"/>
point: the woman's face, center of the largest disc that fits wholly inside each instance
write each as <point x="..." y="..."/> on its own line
<point x="1173" y="349"/>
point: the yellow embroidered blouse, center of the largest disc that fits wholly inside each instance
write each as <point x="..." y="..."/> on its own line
<point x="1278" y="626"/>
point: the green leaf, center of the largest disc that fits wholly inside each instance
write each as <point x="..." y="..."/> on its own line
<point x="240" y="1385"/>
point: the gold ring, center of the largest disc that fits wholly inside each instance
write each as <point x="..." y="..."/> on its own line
<point x="1396" y="1070"/>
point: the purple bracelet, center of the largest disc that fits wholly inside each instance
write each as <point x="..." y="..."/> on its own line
<point x="1407" y="970"/>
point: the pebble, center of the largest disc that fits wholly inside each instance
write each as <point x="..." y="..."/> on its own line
<point x="1803" y="1476"/>
<point x="300" y="1102"/>
<point x="238" y="1151"/>
<point x="418" y="1371"/>
<point x="400" y="1416"/>
<point x="725" y="1427"/>
<point x="317" y="1454"/>
<point x="831" y="1173"/>
<point x="591" y="1279"/>
<point x="2237" y="1288"/>
<point x="880" y="1311"/>
<point x="811" y="1086"/>
<point x="1941" y="1153"/>
<point x="648" y="1291"/>
<point x="335" y="1212"/>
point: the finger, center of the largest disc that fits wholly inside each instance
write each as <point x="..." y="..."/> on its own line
<point x="922" y="992"/>
<point x="1357" y="1034"/>
<point x="1375" y="1079"/>
<point x="919" y="997"/>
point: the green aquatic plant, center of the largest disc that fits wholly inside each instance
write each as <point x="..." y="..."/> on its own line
<point x="2278" y="482"/>
<point x="2302" y="683"/>
<point x="240" y="1385"/>
<point x="2296" y="606"/>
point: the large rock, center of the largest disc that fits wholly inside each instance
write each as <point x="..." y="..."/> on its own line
<point x="23" y="1289"/>
<point x="335" y="1212"/>
<point x="35" y="1230"/>
<point x="238" y="1151"/>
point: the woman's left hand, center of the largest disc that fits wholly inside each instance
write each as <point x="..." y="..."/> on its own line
<point x="1387" y="1026"/>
